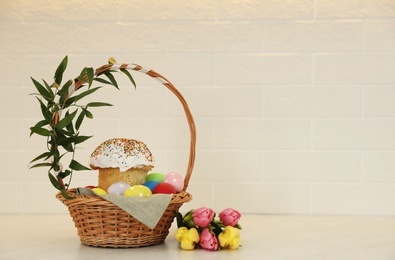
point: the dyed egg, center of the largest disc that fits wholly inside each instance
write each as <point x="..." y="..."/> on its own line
<point x="151" y="184"/>
<point x="118" y="188"/>
<point x="138" y="191"/>
<point x="164" y="188"/>
<point x="90" y="186"/>
<point x="175" y="180"/>
<point x="159" y="177"/>
<point x="99" y="191"/>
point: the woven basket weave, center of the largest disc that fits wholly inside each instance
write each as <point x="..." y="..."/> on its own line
<point x="103" y="224"/>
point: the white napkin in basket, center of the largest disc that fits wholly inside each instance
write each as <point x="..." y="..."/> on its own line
<point x="146" y="210"/>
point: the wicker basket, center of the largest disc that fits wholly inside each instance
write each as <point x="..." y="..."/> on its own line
<point x="103" y="224"/>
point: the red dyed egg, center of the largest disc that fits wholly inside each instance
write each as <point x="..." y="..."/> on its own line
<point x="164" y="188"/>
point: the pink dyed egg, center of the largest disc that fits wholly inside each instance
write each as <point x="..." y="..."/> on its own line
<point x="175" y="180"/>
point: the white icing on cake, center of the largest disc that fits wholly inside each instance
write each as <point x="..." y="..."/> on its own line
<point x="121" y="153"/>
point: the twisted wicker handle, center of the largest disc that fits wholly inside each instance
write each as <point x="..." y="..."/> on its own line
<point x="171" y="87"/>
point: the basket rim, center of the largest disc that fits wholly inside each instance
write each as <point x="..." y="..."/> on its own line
<point x="177" y="198"/>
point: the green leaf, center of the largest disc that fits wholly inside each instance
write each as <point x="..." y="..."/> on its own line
<point x="45" y="155"/>
<point x="66" y="120"/>
<point x="127" y="73"/>
<point x="65" y="142"/>
<point x="70" y="127"/>
<point x="83" y="73"/>
<point x="80" y="139"/>
<point x="65" y="195"/>
<point x="90" y="73"/>
<point x="98" y="104"/>
<point x="112" y="79"/>
<point x="45" y="111"/>
<point x="88" y="114"/>
<point x="77" y="166"/>
<point x="39" y="124"/>
<point x="68" y="147"/>
<point x="103" y="81"/>
<point x="105" y="71"/>
<point x="60" y="70"/>
<point x="54" y="181"/>
<point x="64" y="174"/>
<point x="79" y="120"/>
<point x="54" y="149"/>
<point x="49" y="89"/>
<point x="180" y="221"/>
<point x="40" y="165"/>
<point x="61" y="133"/>
<point x="41" y="131"/>
<point x="42" y="90"/>
<point x="64" y="91"/>
<point x="80" y="96"/>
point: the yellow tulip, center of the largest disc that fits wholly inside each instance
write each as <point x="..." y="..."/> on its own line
<point x="188" y="238"/>
<point x="230" y="238"/>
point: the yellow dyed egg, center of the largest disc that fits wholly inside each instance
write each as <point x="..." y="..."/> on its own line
<point x="99" y="191"/>
<point x="140" y="191"/>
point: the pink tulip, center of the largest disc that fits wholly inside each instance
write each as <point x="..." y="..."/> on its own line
<point x="203" y="216"/>
<point x="229" y="217"/>
<point x="208" y="240"/>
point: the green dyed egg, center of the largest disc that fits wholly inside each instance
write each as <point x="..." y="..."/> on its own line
<point x="159" y="177"/>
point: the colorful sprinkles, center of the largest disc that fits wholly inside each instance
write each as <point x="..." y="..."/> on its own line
<point x="122" y="148"/>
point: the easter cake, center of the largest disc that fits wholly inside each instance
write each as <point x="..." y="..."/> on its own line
<point x="121" y="160"/>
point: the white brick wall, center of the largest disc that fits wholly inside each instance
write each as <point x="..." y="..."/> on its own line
<point x="294" y="101"/>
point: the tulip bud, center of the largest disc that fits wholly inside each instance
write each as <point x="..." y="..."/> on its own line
<point x="208" y="240"/>
<point x="229" y="217"/>
<point x="230" y="238"/>
<point x="203" y="216"/>
<point x="188" y="238"/>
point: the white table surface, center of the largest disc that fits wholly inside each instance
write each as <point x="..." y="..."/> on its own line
<point x="263" y="237"/>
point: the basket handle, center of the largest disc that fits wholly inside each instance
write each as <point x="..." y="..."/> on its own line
<point x="170" y="86"/>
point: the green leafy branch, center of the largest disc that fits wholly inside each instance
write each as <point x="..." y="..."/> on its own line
<point x="63" y="117"/>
